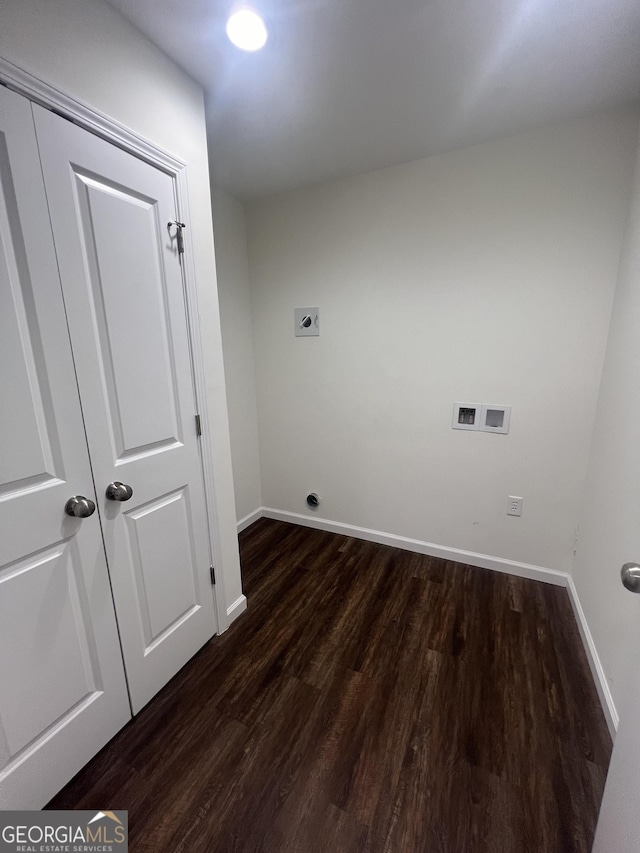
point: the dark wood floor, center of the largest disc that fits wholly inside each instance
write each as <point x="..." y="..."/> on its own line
<point x="369" y="700"/>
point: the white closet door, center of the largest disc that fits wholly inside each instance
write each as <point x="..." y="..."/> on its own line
<point x="126" y="309"/>
<point x="62" y="686"/>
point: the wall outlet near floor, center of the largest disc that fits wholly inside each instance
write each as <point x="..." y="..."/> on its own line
<point x="514" y="505"/>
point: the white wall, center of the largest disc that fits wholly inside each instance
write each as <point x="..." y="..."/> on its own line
<point x="609" y="522"/>
<point x="237" y="342"/>
<point x="86" y="49"/>
<point x="483" y="275"/>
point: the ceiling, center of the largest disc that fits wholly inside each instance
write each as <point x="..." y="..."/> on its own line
<point x="347" y="86"/>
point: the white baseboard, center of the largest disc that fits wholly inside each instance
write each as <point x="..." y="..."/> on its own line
<point x="597" y="671"/>
<point x="248" y="520"/>
<point x="485" y="561"/>
<point x="238" y="607"/>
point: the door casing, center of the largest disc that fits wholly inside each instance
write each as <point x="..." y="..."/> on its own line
<point x="93" y="120"/>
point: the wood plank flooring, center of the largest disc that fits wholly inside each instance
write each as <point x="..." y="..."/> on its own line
<point x="370" y="699"/>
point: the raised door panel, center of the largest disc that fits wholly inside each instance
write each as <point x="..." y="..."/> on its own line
<point x="31" y="455"/>
<point x="120" y="238"/>
<point x="45" y="634"/>
<point x="126" y="308"/>
<point x="62" y="686"/>
<point x="165" y="599"/>
<point x="29" y="443"/>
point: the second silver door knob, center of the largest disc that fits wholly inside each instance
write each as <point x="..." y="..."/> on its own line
<point x="630" y="574"/>
<point x="118" y="491"/>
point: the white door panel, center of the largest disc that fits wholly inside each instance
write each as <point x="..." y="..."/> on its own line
<point x="125" y="303"/>
<point x="120" y="236"/>
<point x="40" y="599"/>
<point x="164" y="597"/>
<point x="62" y="691"/>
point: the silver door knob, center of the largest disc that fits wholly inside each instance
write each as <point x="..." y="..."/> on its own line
<point x="118" y="491"/>
<point x="630" y="574"/>
<point x="79" y="507"/>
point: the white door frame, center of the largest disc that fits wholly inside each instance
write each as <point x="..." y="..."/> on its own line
<point x="102" y="125"/>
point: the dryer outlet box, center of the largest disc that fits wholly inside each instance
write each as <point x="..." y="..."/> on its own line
<point x="307" y="322"/>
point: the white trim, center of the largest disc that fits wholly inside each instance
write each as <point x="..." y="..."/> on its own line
<point x="200" y="383"/>
<point x="112" y="131"/>
<point x="249" y="519"/>
<point x="484" y="561"/>
<point x="97" y="122"/>
<point x="238" y="607"/>
<point x="597" y="671"/>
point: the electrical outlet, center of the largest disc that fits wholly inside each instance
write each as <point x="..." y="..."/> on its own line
<point x="514" y="506"/>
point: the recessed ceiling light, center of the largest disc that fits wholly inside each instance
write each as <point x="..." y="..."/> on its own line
<point x="246" y="29"/>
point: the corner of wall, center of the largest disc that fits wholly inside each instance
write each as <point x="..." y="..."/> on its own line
<point x="229" y="223"/>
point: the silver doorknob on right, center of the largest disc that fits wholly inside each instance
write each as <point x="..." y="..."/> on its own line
<point x="118" y="491"/>
<point x="630" y="574"/>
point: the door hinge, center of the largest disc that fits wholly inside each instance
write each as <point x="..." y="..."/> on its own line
<point x="179" y="235"/>
<point x="213" y="575"/>
<point x="198" y="426"/>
